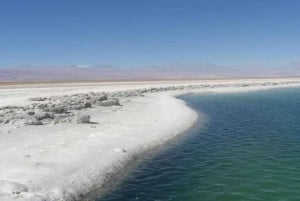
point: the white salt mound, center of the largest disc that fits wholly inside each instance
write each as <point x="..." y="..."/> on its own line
<point x="83" y="118"/>
<point x="8" y="187"/>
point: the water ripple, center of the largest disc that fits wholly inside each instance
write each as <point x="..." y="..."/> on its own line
<point x="248" y="150"/>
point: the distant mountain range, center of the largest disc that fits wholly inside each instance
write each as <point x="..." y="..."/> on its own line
<point x="172" y="71"/>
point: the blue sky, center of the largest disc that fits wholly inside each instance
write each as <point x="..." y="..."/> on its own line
<point x="136" y="33"/>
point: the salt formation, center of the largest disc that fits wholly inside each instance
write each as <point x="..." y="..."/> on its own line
<point x="62" y="109"/>
<point x="83" y="118"/>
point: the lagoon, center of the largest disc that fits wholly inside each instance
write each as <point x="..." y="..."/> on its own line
<point x="247" y="147"/>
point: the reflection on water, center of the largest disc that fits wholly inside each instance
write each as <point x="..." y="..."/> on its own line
<point x="249" y="149"/>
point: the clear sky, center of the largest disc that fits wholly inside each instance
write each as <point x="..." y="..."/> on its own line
<point x="131" y="33"/>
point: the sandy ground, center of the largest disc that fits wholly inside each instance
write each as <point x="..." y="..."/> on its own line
<point x="69" y="161"/>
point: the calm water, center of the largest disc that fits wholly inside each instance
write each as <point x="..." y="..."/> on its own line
<point x="248" y="149"/>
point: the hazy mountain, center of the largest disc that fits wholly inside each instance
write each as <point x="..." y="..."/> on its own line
<point x="171" y="71"/>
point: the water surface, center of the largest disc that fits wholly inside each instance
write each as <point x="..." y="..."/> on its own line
<point x="248" y="149"/>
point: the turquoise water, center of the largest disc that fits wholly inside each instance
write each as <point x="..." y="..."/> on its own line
<point x="248" y="149"/>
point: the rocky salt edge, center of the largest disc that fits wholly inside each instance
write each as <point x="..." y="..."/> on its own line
<point x="68" y="147"/>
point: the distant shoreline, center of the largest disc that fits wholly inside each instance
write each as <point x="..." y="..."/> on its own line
<point x="132" y="84"/>
<point x="104" y="81"/>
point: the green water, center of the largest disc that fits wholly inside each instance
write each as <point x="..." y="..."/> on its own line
<point x="248" y="149"/>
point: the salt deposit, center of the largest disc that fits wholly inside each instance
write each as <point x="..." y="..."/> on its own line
<point x="62" y="143"/>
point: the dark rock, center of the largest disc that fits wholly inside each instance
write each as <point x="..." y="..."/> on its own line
<point x="87" y="105"/>
<point x="101" y="97"/>
<point x="58" y="109"/>
<point x="43" y="115"/>
<point x="33" y="122"/>
<point x="30" y="113"/>
<point x="38" y="99"/>
<point x="110" y="102"/>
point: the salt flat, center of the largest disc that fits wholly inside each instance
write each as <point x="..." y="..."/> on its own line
<point x="69" y="161"/>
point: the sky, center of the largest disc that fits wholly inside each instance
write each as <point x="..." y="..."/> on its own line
<point x="134" y="33"/>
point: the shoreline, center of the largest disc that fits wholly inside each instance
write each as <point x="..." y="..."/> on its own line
<point x="64" y="148"/>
